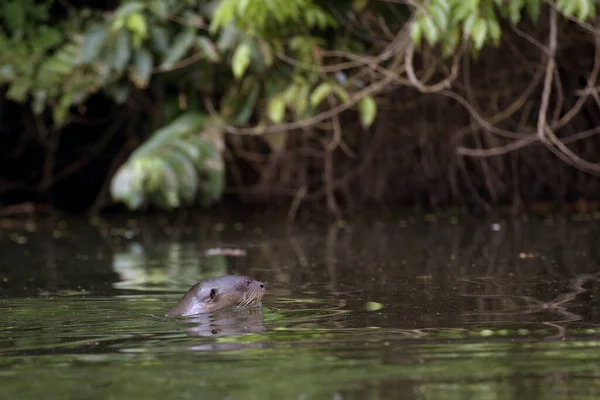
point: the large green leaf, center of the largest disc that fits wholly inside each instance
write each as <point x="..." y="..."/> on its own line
<point x="176" y="163"/>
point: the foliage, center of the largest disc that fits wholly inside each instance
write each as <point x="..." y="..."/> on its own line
<point x="235" y="51"/>
<point x="166" y="169"/>
<point x="443" y="22"/>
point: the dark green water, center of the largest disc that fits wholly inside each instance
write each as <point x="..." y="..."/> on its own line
<point x="397" y="309"/>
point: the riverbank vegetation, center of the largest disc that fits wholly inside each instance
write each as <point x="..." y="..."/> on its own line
<point x="303" y="103"/>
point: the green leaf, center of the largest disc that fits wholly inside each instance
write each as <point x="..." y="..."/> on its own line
<point x="183" y="167"/>
<point x="18" y="90"/>
<point x="160" y="8"/>
<point x="127" y="8"/>
<point x="514" y="10"/>
<point x="142" y="69"/>
<point x="359" y="5"/>
<point x="266" y="52"/>
<point x="93" y="41"/>
<point x="373" y="306"/>
<point x="494" y="30"/>
<point x="479" y="33"/>
<point x="223" y="14"/>
<point x="248" y="98"/>
<point x="208" y="48"/>
<point x="122" y="53"/>
<point x="341" y="93"/>
<point x="167" y="169"/>
<point x="450" y="42"/>
<point x="182" y="43"/>
<point x="464" y="9"/>
<point x="276" y="109"/>
<point x="416" y="33"/>
<point x="534" y="8"/>
<point x="136" y="23"/>
<point x="159" y="39"/>
<point x="185" y="124"/>
<point x="430" y="30"/>
<point x="469" y="22"/>
<point x="368" y="110"/>
<point x="319" y="94"/>
<point x="584" y="9"/>
<point x="241" y="60"/>
<point x="439" y="17"/>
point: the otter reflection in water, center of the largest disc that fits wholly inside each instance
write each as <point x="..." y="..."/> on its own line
<point x="229" y="322"/>
<point x="217" y="293"/>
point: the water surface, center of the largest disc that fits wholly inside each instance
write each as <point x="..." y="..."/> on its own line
<point x="417" y="308"/>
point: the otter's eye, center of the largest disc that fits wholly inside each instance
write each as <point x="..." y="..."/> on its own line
<point x="248" y="282"/>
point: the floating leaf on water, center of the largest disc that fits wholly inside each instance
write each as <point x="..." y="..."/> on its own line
<point x="373" y="306"/>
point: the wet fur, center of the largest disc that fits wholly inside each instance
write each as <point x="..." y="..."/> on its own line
<point x="217" y="293"/>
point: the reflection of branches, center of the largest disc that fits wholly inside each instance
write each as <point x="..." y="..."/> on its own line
<point x="558" y="305"/>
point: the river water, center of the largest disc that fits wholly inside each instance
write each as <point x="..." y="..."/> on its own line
<point x="424" y="307"/>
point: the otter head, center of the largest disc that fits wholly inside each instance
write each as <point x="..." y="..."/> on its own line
<point x="214" y="294"/>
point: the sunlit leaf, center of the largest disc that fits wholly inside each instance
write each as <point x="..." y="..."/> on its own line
<point x="136" y="23"/>
<point x="430" y="30"/>
<point x="479" y="33"/>
<point x="341" y="93"/>
<point x="241" y="59"/>
<point x="416" y="32"/>
<point x="368" y="110"/>
<point x="439" y="17"/>
<point x="494" y="30"/>
<point x="373" y="306"/>
<point x="584" y="9"/>
<point x="276" y="109"/>
<point x="223" y="14"/>
<point x="319" y="94"/>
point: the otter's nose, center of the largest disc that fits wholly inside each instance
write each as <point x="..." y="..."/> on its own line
<point x="262" y="285"/>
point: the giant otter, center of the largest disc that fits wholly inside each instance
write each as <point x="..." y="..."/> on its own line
<point x="216" y="293"/>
